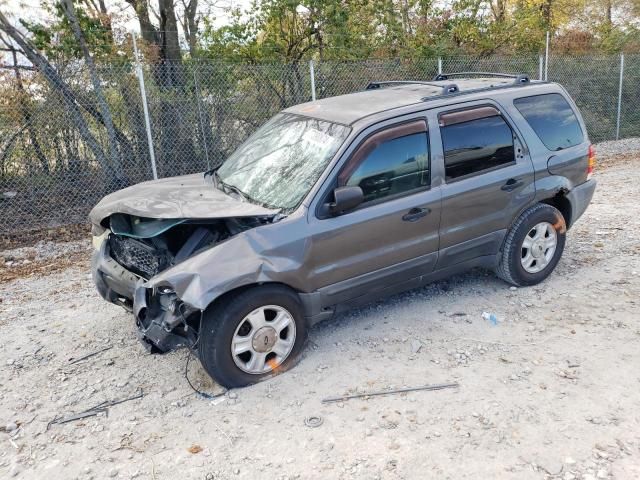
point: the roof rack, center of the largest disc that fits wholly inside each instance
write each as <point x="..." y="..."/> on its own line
<point x="519" y="79"/>
<point x="447" y="89"/>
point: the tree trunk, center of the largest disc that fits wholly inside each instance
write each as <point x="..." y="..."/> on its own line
<point x="177" y="150"/>
<point x="190" y="25"/>
<point x="116" y="171"/>
<point x="135" y="118"/>
<point x="56" y="82"/>
<point x="147" y="29"/>
<point x="26" y="114"/>
<point x="546" y="10"/>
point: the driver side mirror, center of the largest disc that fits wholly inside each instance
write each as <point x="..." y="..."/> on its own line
<point x="346" y="198"/>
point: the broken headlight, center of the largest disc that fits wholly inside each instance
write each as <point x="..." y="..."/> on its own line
<point x="98" y="239"/>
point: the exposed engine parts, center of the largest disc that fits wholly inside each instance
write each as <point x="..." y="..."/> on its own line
<point x="146" y="247"/>
<point x="137" y="249"/>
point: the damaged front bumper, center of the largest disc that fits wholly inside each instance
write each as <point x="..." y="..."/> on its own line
<point x="114" y="283"/>
<point x="163" y="322"/>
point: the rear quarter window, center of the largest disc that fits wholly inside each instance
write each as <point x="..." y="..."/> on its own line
<point x="553" y="120"/>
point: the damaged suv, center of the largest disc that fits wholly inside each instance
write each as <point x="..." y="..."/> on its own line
<point x="341" y="201"/>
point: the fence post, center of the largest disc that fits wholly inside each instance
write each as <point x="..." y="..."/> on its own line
<point x="546" y="58"/>
<point x="541" y="67"/>
<point x="439" y="65"/>
<point x="620" y="96"/>
<point x="204" y="137"/>
<point x="145" y="108"/>
<point x="312" y="74"/>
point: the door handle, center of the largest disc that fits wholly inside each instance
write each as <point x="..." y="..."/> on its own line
<point x="512" y="184"/>
<point x="416" y="214"/>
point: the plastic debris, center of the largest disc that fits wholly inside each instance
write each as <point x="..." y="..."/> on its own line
<point x="490" y="317"/>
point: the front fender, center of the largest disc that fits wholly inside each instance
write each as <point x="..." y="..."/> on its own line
<point x="248" y="258"/>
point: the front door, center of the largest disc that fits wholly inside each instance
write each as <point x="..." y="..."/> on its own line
<point x="392" y="237"/>
<point x="489" y="179"/>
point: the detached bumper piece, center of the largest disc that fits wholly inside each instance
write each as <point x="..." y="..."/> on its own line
<point x="164" y="323"/>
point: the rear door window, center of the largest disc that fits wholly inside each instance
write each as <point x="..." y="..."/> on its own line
<point x="553" y="120"/>
<point x="476" y="145"/>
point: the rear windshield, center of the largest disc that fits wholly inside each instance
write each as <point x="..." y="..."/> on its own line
<point x="553" y="120"/>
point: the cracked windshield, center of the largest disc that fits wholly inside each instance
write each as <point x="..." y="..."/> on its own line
<point x="279" y="164"/>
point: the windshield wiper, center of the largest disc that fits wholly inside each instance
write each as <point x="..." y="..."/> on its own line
<point x="228" y="186"/>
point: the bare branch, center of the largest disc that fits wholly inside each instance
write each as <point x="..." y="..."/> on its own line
<point x="21" y="67"/>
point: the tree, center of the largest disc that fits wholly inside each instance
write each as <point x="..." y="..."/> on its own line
<point x="25" y="107"/>
<point x="58" y="84"/>
<point x="116" y="164"/>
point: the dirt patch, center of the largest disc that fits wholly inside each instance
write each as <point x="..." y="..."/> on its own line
<point x="28" y="238"/>
<point x="551" y="391"/>
<point x="43" y="258"/>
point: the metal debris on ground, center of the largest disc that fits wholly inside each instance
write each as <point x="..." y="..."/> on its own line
<point x="77" y="416"/>
<point x="440" y="386"/>
<point x="313" y="421"/>
<point x="93" y="411"/>
<point x="89" y="355"/>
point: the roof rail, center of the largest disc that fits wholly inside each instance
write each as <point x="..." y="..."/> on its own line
<point x="446" y="88"/>
<point x="519" y="79"/>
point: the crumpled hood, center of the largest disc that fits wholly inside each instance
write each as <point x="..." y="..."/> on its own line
<point x="188" y="196"/>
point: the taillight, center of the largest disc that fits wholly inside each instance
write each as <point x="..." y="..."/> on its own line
<point x="591" y="162"/>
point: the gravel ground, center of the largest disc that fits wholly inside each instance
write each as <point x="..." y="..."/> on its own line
<point x="551" y="391"/>
<point x="614" y="148"/>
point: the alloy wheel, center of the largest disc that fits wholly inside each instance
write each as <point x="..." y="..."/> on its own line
<point x="263" y="339"/>
<point x="538" y="247"/>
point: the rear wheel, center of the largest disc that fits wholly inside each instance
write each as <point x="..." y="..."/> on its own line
<point x="251" y="335"/>
<point x="533" y="246"/>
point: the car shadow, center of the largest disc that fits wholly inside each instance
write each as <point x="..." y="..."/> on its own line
<point x="473" y="279"/>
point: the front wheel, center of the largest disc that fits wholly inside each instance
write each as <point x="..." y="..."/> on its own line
<point x="533" y="246"/>
<point x="251" y="335"/>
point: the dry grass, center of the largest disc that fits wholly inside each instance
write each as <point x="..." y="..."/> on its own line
<point x="43" y="268"/>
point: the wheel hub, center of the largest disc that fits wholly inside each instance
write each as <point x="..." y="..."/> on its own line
<point x="264" y="339"/>
<point x="537" y="250"/>
<point x="538" y="247"/>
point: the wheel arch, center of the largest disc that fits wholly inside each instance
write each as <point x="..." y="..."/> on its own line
<point x="505" y="260"/>
<point x="562" y="203"/>
<point x="248" y="286"/>
<point x="552" y="201"/>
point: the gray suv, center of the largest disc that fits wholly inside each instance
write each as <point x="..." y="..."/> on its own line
<point x="341" y="201"/>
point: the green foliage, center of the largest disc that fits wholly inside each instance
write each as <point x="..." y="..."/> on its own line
<point x="56" y="38"/>
<point x="290" y="30"/>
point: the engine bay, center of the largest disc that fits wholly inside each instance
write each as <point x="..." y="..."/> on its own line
<point x="148" y="246"/>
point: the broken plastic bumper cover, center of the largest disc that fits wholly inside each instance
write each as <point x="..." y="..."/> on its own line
<point x="114" y="283"/>
<point x="161" y="319"/>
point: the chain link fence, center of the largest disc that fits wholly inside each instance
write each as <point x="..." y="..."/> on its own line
<point x="62" y="149"/>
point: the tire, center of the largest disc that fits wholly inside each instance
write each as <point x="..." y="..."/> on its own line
<point x="249" y="321"/>
<point x="517" y="262"/>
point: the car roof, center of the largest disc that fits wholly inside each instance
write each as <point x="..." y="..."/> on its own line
<point x="347" y="109"/>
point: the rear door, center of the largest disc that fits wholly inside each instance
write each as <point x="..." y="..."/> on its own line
<point x="488" y="179"/>
<point x="391" y="238"/>
<point x="556" y="125"/>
